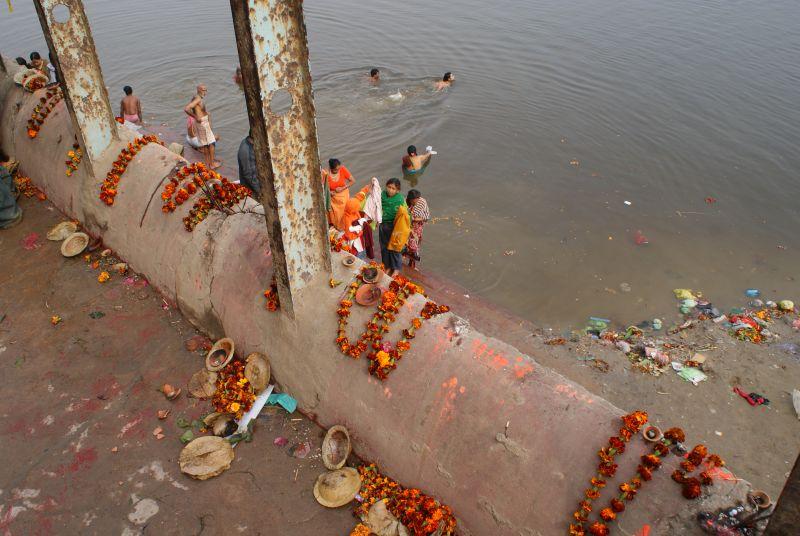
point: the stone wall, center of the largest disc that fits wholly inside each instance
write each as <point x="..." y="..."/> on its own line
<point x="509" y="444"/>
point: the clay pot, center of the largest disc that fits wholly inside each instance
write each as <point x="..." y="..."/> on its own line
<point x="652" y="433"/>
<point x="368" y="294"/>
<point x="370" y="275"/>
<point x="220" y="354"/>
<point x="760" y="498"/>
<point x="349" y="260"/>
<point x="336" y="447"/>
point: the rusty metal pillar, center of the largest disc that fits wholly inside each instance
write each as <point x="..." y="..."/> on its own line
<point x="273" y="53"/>
<point x="68" y="35"/>
<point x="786" y="516"/>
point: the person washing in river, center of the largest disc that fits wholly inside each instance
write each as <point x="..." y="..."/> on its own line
<point x="130" y="107"/>
<point x="420" y="215"/>
<point x="395" y="227"/>
<point x="414" y="163"/>
<point x="339" y="181"/>
<point x="196" y="109"/>
<point x="375" y="77"/>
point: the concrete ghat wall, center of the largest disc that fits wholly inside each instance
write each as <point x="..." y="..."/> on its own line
<point x="439" y="421"/>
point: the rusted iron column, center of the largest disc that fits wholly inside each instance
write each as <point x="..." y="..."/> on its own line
<point x="273" y="53"/>
<point x="68" y="35"/>
<point x="786" y="517"/>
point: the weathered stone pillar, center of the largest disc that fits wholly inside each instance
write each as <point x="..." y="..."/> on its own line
<point x="273" y="53"/>
<point x="69" y="37"/>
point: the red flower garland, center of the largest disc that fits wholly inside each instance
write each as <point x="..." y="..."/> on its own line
<point x="42" y="110"/>
<point x="691" y="486"/>
<point x="273" y="303"/>
<point x="75" y="156"/>
<point x="108" y="190"/>
<point x="632" y="423"/>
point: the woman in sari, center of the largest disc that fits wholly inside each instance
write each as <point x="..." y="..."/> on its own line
<point x="420" y="215"/>
<point x="339" y="181"/>
<point x="395" y="227"/>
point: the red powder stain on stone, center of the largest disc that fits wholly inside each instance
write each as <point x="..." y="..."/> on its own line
<point x="88" y="405"/>
<point x="81" y="460"/>
<point x="499" y="361"/>
<point x="448" y="397"/>
<point x="17" y="427"/>
<point x="522" y="371"/>
<point x="572" y="392"/>
<point x="106" y="387"/>
<point x="148" y="333"/>
<point x="31" y="242"/>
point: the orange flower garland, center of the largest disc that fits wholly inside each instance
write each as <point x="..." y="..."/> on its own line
<point x="632" y="423"/>
<point x="75" y="156"/>
<point x="383" y="358"/>
<point x="234" y="393"/>
<point x="108" y="190"/>
<point x="421" y="514"/>
<point x="42" y="110"/>
<point x="218" y="193"/>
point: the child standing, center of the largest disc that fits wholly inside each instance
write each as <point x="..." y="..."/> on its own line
<point x="395" y="227"/>
<point x="420" y="215"/>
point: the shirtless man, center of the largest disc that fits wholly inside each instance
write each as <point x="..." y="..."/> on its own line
<point x="413" y="163"/>
<point x="375" y="77"/>
<point x="445" y="82"/>
<point x="202" y="126"/>
<point x="130" y="107"/>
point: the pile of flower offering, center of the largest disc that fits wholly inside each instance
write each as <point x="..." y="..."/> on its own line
<point x="421" y="514"/>
<point x="234" y="393"/>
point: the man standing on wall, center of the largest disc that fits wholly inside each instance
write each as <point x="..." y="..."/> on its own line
<point x="205" y="137"/>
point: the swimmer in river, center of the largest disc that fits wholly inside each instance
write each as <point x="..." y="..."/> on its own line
<point x="375" y="76"/>
<point x="130" y="108"/>
<point x="414" y="163"/>
<point x="237" y="77"/>
<point x="445" y="82"/>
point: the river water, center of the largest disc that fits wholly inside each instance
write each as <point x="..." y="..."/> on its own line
<point x="560" y="113"/>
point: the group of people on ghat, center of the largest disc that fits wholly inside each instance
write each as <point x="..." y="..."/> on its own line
<point x="399" y="219"/>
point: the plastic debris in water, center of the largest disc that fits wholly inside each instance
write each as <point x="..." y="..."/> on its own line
<point x="639" y="239"/>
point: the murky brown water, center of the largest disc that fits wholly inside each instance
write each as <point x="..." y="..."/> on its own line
<point x="659" y="104"/>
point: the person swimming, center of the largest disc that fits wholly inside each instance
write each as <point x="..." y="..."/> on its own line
<point x="446" y="81"/>
<point x="375" y="76"/>
<point x="414" y="163"/>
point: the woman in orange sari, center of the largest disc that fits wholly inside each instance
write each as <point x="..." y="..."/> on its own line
<point x="339" y="180"/>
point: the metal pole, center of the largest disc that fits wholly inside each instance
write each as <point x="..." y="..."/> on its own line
<point x="69" y="37"/>
<point x="786" y="516"/>
<point x="273" y="53"/>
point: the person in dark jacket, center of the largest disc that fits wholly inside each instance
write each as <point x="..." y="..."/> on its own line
<point x="247" y="166"/>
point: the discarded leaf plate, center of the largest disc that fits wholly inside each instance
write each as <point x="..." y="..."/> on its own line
<point x="74" y="244"/>
<point x="336" y="447"/>
<point x="202" y="384"/>
<point x="206" y="457"/>
<point x="337" y="488"/>
<point x="62" y="231"/>
<point x="257" y="371"/>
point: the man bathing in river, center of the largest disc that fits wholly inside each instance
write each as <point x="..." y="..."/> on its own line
<point x="414" y="163"/>
<point x="445" y="82"/>
<point x="375" y="76"/>
<point x="130" y="108"/>
<point x="202" y="126"/>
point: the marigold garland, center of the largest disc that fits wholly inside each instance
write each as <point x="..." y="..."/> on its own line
<point x="108" y="190"/>
<point x="421" y="514"/>
<point x="234" y="392"/>
<point x="383" y="358"/>
<point x="42" y="110"/>
<point x="75" y="156"/>
<point x="217" y="193"/>
<point x="632" y="423"/>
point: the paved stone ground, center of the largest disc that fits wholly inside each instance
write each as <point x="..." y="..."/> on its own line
<point x="78" y="405"/>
